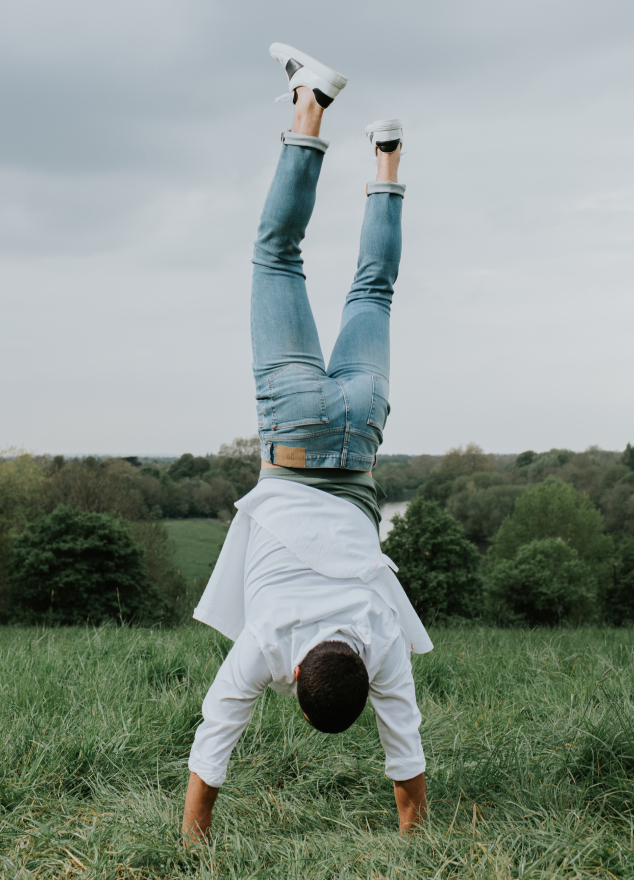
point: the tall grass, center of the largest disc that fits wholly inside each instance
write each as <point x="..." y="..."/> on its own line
<point x="529" y="739"/>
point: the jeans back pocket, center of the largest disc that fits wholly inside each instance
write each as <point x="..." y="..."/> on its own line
<point x="296" y="397"/>
<point x="380" y="408"/>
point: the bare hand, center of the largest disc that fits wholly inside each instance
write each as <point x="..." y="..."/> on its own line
<point x="411" y="800"/>
<point x="199" y="803"/>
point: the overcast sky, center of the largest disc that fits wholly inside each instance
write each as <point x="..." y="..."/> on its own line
<point x="138" y="139"/>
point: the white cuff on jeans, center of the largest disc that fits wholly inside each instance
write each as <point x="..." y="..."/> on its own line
<point x="292" y="139"/>
<point x="385" y="186"/>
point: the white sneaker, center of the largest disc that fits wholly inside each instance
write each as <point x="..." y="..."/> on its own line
<point x="302" y="70"/>
<point x="385" y="134"/>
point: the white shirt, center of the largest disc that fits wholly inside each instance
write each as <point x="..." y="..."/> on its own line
<point x="287" y="606"/>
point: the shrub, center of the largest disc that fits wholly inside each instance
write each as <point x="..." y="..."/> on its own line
<point x="546" y="583"/>
<point x="72" y="566"/>
<point x="438" y="567"/>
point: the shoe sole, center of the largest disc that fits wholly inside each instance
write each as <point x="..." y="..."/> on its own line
<point x="332" y="76"/>
<point x="384" y="125"/>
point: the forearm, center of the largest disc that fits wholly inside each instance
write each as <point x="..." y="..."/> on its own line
<point x="226" y="712"/>
<point x="199" y="803"/>
<point x="411" y="800"/>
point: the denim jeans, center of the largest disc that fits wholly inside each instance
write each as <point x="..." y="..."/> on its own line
<point x="310" y="416"/>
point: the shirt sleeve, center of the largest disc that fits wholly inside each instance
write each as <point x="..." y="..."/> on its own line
<point x="393" y="697"/>
<point x="227" y="709"/>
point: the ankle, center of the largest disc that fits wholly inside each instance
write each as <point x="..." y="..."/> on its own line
<point x="308" y="113"/>
<point x="387" y="165"/>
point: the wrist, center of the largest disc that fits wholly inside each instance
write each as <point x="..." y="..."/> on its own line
<point x="199" y="803"/>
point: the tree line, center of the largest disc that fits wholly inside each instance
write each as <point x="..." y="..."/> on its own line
<point x="84" y="538"/>
<point x="546" y="538"/>
<point x="573" y="512"/>
<point x="481" y="490"/>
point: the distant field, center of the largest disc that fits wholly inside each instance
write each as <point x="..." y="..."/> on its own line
<point x="529" y="739"/>
<point x="197" y="544"/>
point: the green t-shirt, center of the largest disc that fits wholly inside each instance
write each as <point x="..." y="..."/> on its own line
<point x="353" y="486"/>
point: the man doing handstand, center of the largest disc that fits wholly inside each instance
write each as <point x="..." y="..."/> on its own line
<point x="301" y="585"/>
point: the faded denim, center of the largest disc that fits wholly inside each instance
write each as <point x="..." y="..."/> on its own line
<point x="337" y="414"/>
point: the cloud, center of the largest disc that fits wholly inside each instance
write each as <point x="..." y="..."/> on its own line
<point x="137" y="147"/>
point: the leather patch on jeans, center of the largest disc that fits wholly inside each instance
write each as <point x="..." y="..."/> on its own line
<point x="290" y="456"/>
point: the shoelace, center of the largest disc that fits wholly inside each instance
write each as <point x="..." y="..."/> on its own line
<point x="287" y="96"/>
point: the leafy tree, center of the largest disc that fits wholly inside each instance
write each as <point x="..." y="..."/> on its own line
<point x="524" y="459"/>
<point x="545" y="463"/>
<point x="21" y="484"/>
<point x="72" y="566"/>
<point x="438" y="486"/>
<point x="465" y="461"/>
<point x="481" y="503"/>
<point x="149" y="488"/>
<point x="628" y="457"/>
<point x="617" y="505"/>
<point x="612" y="475"/>
<point x="174" y="498"/>
<point x="456" y="463"/>
<point x="546" y="583"/>
<point x="594" y="471"/>
<point x="188" y="466"/>
<point x="215" y="496"/>
<point x="241" y="472"/>
<point x="553" y="509"/>
<point x="438" y="567"/>
<point x="97" y="486"/>
<point x="242" y="447"/>
<point x="150" y="470"/>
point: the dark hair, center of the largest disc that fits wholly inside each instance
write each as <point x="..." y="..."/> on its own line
<point x="332" y="686"/>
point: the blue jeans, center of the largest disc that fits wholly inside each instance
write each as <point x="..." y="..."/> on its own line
<point x="310" y="416"/>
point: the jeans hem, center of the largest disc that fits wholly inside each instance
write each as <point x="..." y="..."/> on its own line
<point x="292" y="139"/>
<point x="385" y="186"/>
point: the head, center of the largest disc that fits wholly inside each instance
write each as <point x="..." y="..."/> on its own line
<point x="332" y="686"/>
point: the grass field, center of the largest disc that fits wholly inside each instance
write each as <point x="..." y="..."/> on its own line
<point x="197" y="545"/>
<point x="529" y="740"/>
